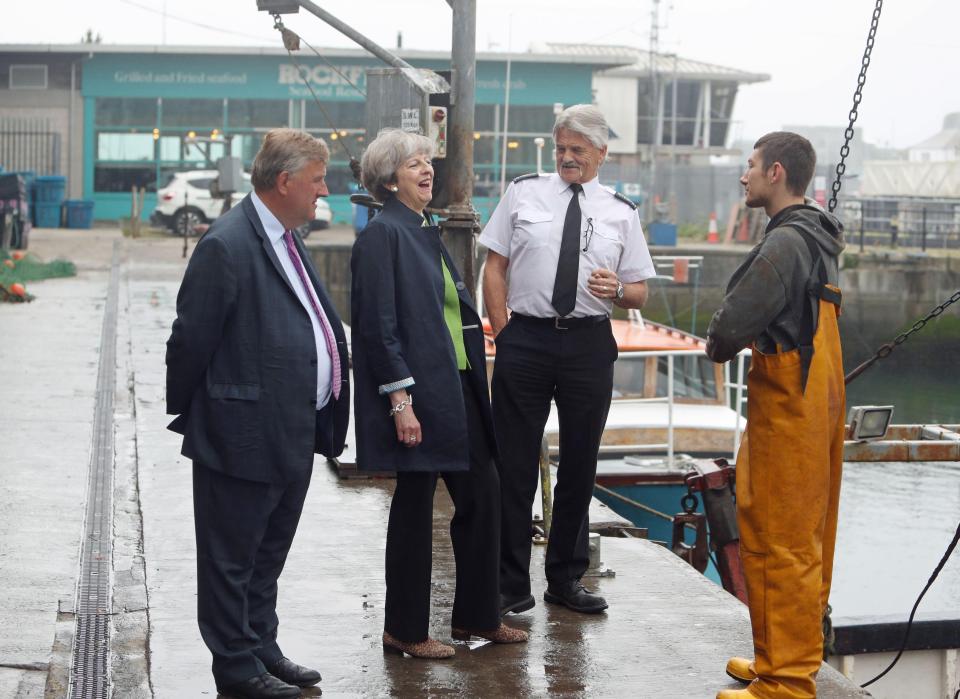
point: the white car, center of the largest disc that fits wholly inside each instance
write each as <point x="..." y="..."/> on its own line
<point x="185" y="200"/>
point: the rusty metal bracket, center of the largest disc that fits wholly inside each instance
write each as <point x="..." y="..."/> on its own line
<point x="696" y="555"/>
<point x="715" y="481"/>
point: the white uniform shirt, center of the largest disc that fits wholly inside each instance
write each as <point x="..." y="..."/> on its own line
<point x="527" y="228"/>
<point x="274" y="230"/>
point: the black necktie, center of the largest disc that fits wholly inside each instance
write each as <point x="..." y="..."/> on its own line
<point x="568" y="266"/>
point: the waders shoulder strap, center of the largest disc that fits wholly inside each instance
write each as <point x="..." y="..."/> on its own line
<point x="817" y="288"/>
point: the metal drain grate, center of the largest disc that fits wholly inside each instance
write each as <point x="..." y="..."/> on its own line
<point x="90" y="673"/>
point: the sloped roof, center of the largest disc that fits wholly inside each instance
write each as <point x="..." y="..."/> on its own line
<point x="665" y="64"/>
<point x="599" y="58"/>
<point x="945" y="140"/>
<point x="911" y="179"/>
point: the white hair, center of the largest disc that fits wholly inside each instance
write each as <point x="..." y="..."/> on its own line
<point x="586" y="120"/>
<point x="384" y="156"/>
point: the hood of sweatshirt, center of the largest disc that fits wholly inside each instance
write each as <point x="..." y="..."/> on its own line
<point x="823" y="226"/>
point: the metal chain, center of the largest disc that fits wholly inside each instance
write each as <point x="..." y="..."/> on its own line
<point x="284" y="32"/>
<point x="857" y="96"/>
<point x="887" y="348"/>
<point x="902" y="337"/>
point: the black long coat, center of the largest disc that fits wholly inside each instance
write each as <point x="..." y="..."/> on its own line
<point x="398" y="332"/>
<point x="242" y="359"/>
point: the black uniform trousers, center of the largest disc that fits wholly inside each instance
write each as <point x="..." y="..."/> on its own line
<point x="244" y="530"/>
<point x="474" y="531"/>
<point x="537" y="362"/>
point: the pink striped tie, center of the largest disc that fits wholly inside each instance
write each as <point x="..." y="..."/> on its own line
<point x="321" y="316"/>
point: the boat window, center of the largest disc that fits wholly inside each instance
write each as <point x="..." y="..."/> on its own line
<point x="628" y="377"/>
<point x="693" y="377"/>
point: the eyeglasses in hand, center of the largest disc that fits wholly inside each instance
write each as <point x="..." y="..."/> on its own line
<point x="588" y="234"/>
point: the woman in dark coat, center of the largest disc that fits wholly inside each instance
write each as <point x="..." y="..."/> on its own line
<point x="416" y="334"/>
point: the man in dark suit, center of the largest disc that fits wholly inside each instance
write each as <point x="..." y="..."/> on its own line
<point x="257" y="374"/>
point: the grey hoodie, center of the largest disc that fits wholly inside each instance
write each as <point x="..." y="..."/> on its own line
<point x="765" y="296"/>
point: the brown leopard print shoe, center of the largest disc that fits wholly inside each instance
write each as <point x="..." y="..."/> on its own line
<point x="431" y="648"/>
<point x="503" y="634"/>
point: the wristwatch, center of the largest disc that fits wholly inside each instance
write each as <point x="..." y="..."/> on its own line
<point x="619" y="289"/>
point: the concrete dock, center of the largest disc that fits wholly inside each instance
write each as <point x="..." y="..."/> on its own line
<point x="668" y="631"/>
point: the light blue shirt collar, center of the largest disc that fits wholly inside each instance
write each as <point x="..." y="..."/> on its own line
<point x="271" y="224"/>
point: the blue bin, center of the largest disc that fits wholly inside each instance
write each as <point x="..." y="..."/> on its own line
<point x="50" y="189"/>
<point x="663" y="234"/>
<point x="79" y="213"/>
<point x="46" y="214"/>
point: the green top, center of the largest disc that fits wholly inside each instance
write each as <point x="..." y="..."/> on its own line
<point x="451" y="313"/>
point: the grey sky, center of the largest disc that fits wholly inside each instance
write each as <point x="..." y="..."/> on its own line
<point x="812" y="54"/>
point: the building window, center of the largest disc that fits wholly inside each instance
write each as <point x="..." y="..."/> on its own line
<point x="251" y="114"/>
<point x="28" y="77"/>
<point x="203" y="115"/>
<point x="335" y="115"/>
<point x="126" y="111"/>
<point x="122" y="178"/>
<point x="124" y="146"/>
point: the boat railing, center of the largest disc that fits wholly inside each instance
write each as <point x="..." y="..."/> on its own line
<point x="669" y="399"/>
<point x="738" y="399"/>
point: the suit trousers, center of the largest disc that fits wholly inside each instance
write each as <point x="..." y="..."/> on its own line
<point x="537" y="362"/>
<point x="244" y="530"/>
<point x="474" y="532"/>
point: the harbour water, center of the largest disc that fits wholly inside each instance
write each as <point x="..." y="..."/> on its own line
<point x="896" y="520"/>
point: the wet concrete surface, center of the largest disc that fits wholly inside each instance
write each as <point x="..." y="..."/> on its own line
<point x="668" y="631"/>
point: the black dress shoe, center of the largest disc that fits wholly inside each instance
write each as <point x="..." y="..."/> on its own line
<point x="575" y="596"/>
<point x="516" y="604"/>
<point x="291" y="673"/>
<point x="264" y="686"/>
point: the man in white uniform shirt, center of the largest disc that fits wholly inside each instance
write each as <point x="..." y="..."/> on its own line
<point x="562" y="249"/>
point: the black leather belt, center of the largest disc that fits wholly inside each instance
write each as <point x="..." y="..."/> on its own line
<point x="562" y="323"/>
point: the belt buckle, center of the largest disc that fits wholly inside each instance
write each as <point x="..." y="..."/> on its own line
<point x="556" y="324"/>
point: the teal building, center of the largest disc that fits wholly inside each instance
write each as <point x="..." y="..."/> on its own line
<point x="114" y="117"/>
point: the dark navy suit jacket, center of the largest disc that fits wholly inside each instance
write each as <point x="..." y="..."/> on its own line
<point x="398" y="332"/>
<point x="242" y="359"/>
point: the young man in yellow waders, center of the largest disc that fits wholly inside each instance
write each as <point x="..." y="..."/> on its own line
<point x="784" y="301"/>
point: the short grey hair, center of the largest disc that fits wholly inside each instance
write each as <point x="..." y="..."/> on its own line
<point x="285" y="150"/>
<point x="586" y="120"/>
<point x="384" y="156"/>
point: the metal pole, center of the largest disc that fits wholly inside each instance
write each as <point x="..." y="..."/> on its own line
<point x="356" y="36"/>
<point x="462" y="225"/>
<point x="506" y="113"/>
<point x="923" y="232"/>
<point x="186" y="224"/>
<point x="673" y="145"/>
<point x="546" y="488"/>
<point x="669" y="410"/>
<point x="861" y="226"/>
<point x="462" y="102"/>
<point x="654" y="104"/>
<point x="737" y="405"/>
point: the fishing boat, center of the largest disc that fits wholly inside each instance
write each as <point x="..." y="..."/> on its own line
<point x="667" y="395"/>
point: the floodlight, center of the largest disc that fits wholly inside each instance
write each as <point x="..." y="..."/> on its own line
<point x="869" y="422"/>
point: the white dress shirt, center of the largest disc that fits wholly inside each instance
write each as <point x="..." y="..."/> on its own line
<point x="527" y="228"/>
<point x="274" y="230"/>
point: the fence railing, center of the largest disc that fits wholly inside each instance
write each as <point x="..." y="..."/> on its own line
<point x="908" y="223"/>
<point x="29" y="144"/>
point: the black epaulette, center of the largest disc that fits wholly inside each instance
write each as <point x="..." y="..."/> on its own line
<point x="626" y="201"/>
<point x="528" y="176"/>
